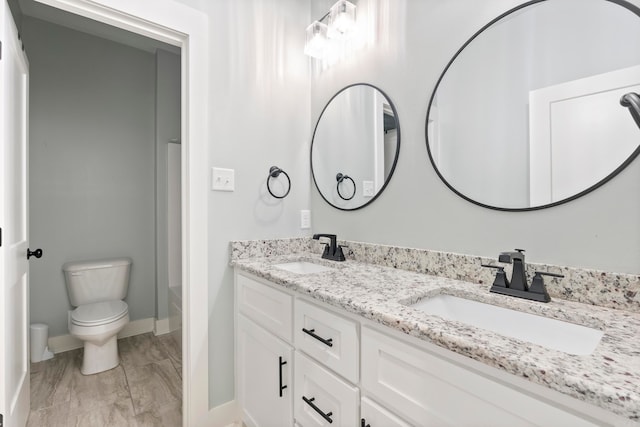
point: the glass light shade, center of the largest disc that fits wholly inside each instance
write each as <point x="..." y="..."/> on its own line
<point x="316" y="43"/>
<point x="342" y="19"/>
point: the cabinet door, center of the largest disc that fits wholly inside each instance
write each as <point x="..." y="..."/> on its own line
<point x="429" y="390"/>
<point x="264" y="376"/>
<point x="374" y="415"/>
<point x="321" y="398"/>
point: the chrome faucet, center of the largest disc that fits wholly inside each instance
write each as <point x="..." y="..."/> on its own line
<point x="332" y="250"/>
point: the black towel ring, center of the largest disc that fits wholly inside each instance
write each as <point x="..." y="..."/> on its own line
<point x="275" y="172"/>
<point x="340" y="177"/>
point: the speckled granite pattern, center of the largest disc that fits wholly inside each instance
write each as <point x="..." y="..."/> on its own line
<point x="241" y="249"/>
<point x="614" y="290"/>
<point x="609" y="377"/>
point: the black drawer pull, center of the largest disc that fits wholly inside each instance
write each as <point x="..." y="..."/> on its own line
<point x="309" y="402"/>
<point x="280" y="364"/>
<point x="322" y="340"/>
<point x="363" y="423"/>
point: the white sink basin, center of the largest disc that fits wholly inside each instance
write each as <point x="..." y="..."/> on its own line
<point x="302" y="267"/>
<point x="550" y="333"/>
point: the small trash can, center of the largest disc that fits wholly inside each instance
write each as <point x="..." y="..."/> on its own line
<point x="39" y="336"/>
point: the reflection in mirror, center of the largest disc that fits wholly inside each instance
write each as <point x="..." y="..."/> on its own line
<point x="528" y="115"/>
<point x="355" y="146"/>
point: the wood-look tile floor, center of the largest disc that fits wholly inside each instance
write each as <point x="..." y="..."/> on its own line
<point x="144" y="390"/>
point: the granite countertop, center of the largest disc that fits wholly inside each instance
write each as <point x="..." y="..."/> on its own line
<point x="608" y="378"/>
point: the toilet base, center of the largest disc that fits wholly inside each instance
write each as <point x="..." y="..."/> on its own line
<point x="100" y="358"/>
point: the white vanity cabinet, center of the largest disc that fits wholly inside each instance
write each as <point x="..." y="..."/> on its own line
<point x="264" y="359"/>
<point x="345" y="370"/>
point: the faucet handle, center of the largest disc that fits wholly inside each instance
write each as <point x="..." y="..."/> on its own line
<point x="537" y="284"/>
<point x="325" y="252"/>
<point x="339" y="255"/>
<point x="546" y="273"/>
<point x="501" y="280"/>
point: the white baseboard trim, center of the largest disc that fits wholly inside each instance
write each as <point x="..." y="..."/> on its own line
<point x="225" y="415"/>
<point x="64" y="343"/>
<point x="137" y="327"/>
<point x="161" y="327"/>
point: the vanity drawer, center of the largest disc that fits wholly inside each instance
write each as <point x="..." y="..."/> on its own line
<point x="321" y="398"/>
<point x="327" y="337"/>
<point x="268" y="307"/>
<point x="429" y="390"/>
<point x="375" y="415"/>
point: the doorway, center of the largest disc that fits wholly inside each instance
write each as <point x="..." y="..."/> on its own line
<point x="104" y="115"/>
<point x="179" y="25"/>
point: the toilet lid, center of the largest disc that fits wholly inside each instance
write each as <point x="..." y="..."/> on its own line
<point x="99" y="313"/>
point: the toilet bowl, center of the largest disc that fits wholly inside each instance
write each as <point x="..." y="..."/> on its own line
<point x="98" y="325"/>
<point x="97" y="290"/>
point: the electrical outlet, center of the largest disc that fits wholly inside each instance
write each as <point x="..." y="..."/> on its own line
<point x="305" y="219"/>
<point x="367" y="189"/>
<point x="222" y="179"/>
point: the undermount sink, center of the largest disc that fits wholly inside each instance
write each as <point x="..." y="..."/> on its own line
<point x="302" y="267"/>
<point x="550" y="333"/>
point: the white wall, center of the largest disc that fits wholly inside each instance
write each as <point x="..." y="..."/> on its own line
<point x="167" y="128"/>
<point x="415" y="40"/>
<point x="91" y="163"/>
<point x="259" y="117"/>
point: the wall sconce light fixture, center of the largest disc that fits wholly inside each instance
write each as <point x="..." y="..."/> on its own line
<point x="342" y="20"/>
<point x="316" y="40"/>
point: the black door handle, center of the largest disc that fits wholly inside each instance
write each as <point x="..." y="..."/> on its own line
<point x="37" y="253"/>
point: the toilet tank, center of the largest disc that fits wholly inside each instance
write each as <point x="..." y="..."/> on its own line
<point x="96" y="281"/>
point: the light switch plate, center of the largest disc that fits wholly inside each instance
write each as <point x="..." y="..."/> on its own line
<point x="305" y="219"/>
<point x="367" y="189"/>
<point x="222" y="179"/>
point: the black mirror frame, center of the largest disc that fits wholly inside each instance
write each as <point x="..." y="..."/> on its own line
<point x="395" y="160"/>
<point x="632" y="8"/>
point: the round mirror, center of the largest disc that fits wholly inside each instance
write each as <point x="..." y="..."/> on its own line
<point x="355" y="146"/>
<point x="528" y="113"/>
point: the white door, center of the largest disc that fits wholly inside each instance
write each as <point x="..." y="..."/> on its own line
<point x="580" y="133"/>
<point x="14" y="286"/>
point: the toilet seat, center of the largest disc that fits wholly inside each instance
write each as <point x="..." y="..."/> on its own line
<point x="99" y="313"/>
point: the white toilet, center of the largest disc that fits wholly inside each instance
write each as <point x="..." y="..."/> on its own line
<point x="97" y="290"/>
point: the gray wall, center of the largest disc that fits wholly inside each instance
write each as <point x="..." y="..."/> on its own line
<point x="259" y="117"/>
<point x="91" y="163"/>
<point x="16" y="12"/>
<point x="415" y="40"/>
<point x="167" y="128"/>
